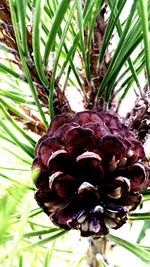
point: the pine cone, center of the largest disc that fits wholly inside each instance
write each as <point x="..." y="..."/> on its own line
<point x="91" y="171"/>
<point x="139" y="117"/>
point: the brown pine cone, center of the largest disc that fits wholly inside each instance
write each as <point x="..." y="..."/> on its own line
<point x="139" y="117"/>
<point x="92" y="169"/>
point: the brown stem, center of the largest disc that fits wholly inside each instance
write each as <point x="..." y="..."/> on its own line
<point x="98" y="247"/>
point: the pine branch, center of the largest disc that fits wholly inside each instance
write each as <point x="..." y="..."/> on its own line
<point x="8" y="39"/>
